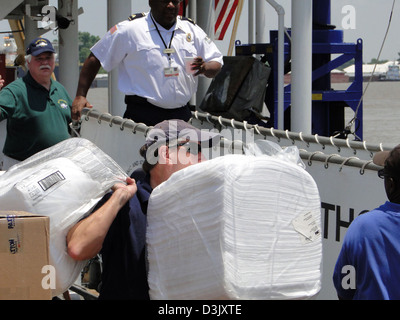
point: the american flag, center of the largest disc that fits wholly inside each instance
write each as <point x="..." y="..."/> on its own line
<point x="182" y="8"/>
<point x="224" y="11"/>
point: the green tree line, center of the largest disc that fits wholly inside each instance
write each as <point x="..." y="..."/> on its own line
<point x="86" y="41"/>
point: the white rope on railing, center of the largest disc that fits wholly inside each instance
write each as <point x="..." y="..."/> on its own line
<point x="113" y="118"/>
<point x="309" y="162"/>
<point x="301" y="139"/>
<point x="306" y="138"/>
<point x="122" y="127"/>
<point x="238" y="144"/>
<point x="364" y="166"/>
<point x="345" y="161"/>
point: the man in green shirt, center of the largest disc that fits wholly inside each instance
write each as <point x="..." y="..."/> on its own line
<point x="37" y="108"/>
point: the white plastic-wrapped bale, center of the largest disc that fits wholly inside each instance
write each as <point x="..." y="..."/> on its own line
<point x="63" y="182"/>
<point x="235" y="227"/>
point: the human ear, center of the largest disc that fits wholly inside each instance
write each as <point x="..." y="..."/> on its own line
<point x="390" y="187"/>
<point x="163" y="154"/>
<point x="392" y="183"/>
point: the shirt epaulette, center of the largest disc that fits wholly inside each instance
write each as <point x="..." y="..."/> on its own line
<point x="136" y="16"/>
<point x="187" y="19"/>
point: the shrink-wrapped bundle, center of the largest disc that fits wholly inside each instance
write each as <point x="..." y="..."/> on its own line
<point x="235" y="227"/>
<point x="63" y="182"/>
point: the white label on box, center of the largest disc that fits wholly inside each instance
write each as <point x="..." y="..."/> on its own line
<point x="306" y="225"/>
<point x="41" y="183"/>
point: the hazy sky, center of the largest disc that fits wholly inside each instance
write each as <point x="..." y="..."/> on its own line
<point x="369" y="22"/>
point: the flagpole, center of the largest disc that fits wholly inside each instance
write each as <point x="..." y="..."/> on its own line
<point x="251" y="21"/>
<point x="204" y="8"/>
<point x="261" y="29"/>
<point x="301" y="95"/>
<point x="281" y="65"/>
<point x="193" y="10"/>
<point x="235" y="27"/>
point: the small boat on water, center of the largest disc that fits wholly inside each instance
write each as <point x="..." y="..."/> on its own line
<point x="393" y="73"/>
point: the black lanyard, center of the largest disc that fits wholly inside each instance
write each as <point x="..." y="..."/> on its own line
<point x="167" y="49"/>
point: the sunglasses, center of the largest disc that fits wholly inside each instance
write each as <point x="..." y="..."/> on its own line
<point x="191" y="147"/>
<point x="382" y="174"/>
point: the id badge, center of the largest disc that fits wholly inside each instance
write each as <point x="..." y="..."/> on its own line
<point x="169" y="51"/>
<point x="171" y="72"/>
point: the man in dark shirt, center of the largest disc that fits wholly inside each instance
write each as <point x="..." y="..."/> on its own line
<point x="117" y="227"/>
<point x="36" y="107"/>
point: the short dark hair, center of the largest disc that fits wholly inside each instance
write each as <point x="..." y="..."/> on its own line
<point x="392" y="164"/>
<point x="147" y="166"/>
<point x="390" y="160"/>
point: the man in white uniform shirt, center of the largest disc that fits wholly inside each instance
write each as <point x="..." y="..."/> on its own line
<point x="149" y="50"/>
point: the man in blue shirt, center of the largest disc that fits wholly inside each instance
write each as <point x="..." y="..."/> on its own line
<point x="368" y="264"/>
<point x="117" y="227"/>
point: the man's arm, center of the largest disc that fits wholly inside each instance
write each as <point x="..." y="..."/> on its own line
<point x="209" y="69"/>
<point x="89" y="71"/>
<point x="85" y="239"/>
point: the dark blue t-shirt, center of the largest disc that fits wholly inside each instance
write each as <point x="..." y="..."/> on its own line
<point x="124" y="273"/>
<point x="368" y="263"/>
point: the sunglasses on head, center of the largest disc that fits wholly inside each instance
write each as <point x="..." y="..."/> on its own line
<point x="191" y="147"/>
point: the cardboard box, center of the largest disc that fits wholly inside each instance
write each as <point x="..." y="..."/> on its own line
<point x="24" y="252"/>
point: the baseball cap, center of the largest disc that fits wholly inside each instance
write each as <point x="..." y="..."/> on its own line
<point x="179" y="130"/>
<point x="38" y="46"/>
<point x="390" y="160"/>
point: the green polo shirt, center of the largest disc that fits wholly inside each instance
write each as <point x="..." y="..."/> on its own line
<point x="36" y="118"/>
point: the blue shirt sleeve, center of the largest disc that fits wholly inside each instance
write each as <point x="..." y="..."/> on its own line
<point x="343" y="275"/>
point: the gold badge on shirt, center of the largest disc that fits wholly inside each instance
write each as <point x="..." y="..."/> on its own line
<point x="189" y="37"/>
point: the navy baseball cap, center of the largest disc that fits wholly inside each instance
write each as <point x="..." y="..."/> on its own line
<point x="38" y="46"/>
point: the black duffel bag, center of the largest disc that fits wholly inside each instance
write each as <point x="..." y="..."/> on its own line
<point x="238" y="91"/>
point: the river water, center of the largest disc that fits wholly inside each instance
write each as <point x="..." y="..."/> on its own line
<point x="381" y="109"/>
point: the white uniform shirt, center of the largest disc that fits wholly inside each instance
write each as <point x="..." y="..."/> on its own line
<point x="138" y="51"/>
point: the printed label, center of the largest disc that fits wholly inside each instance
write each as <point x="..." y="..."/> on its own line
<point x="10" y="221"/>
<point x="306" y="225"/>
<point x="51" y="180"/>
<point x="14" y="245"/>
